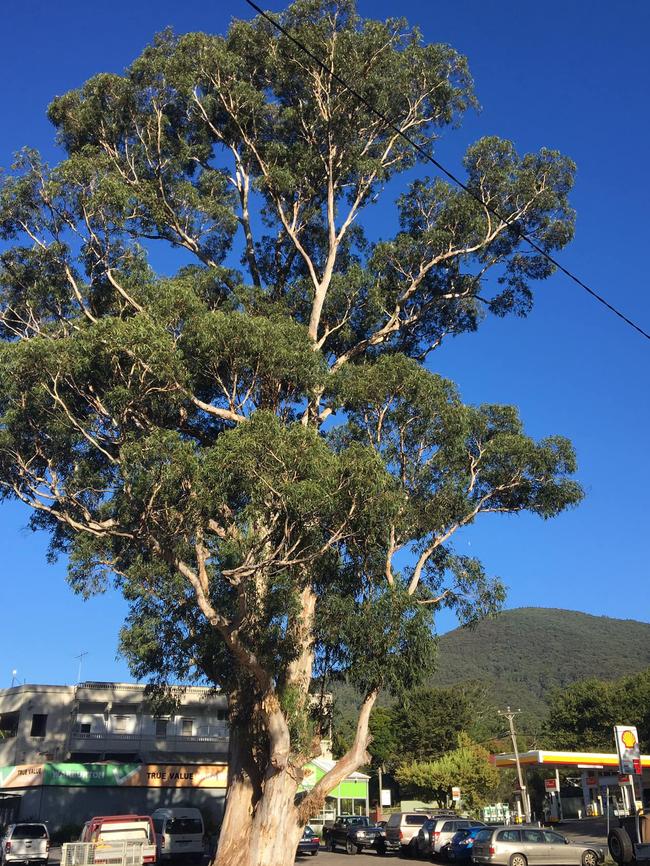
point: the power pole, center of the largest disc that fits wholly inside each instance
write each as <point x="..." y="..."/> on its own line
<point x="510" y="715"/>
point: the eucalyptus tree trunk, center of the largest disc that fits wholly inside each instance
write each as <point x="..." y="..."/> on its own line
<point x="276" y="830"/>
<point x="268" y="836"/>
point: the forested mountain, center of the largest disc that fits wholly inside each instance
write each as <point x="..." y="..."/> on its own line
<point x="523" y="654"/>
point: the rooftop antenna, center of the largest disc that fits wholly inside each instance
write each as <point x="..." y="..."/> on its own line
<point x="81" y="657"/>
<point x="13" y="678"/>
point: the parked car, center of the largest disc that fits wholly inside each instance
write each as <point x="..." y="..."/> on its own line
<point x="402" y="831"/>
<point x="352" y="832"/>
<point x="310" y="842"/>
<point x="179" y="834"/>
<point x="459" y="849"/>
<point x="428" y="829"/>
<point x="25" y="843"/>
<point x="110" y="829"/>
<point x="445" y="830"/>
<point x="520" y="846"/>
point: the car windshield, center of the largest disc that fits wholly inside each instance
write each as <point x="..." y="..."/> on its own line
<point x="483" y="835"/>
<point x="416" y="819"/>
<point x="358" y="822"/>
<point x="179" y="826"/>
<point x="29" y="831"/>
<point x="307" y="833"/>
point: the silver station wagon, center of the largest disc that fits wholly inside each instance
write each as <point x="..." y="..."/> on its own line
<point x="519" y="846"/>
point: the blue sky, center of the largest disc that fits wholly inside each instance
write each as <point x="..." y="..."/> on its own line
<point x="569" y="75"/>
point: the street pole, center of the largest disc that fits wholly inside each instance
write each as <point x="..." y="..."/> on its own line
<point x="380" y="776"/>
<point x="510" y="715"/>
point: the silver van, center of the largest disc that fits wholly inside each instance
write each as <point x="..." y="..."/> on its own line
<point x="179" y="834"/>
<point x="520" y="846"/>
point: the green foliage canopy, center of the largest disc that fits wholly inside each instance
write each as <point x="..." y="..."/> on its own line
<point x="169" y="432"/>
<point x="467" y="766"/>
<point x="581" y="717"/>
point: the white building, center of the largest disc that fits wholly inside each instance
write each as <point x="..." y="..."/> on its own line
<point x="109" y="722"/>
<point x="70" y="752"/>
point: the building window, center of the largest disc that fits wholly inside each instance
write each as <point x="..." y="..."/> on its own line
<point x="187" y="727"/>
<point x="39" y="725"/>
<point x="120" y="724"/>
<point x="161" y="729"/>
<point x="9" y="724"/>
<point x="81" y="727"/>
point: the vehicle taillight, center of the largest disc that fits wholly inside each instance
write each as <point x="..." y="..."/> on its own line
<point x="401" y="835"/>
<point x="47" y="846"/>
<point x="315" y="839"/>
<point x="436" y="836"/>
<point x="162" y="842"/>
<point x="492" y="851"/>
<point x="7" y="847"/>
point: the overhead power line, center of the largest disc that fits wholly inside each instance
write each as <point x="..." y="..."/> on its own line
<point x="424" y="153"/>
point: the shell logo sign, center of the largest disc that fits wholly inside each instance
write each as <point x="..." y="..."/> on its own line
<point x="629" y="751"/>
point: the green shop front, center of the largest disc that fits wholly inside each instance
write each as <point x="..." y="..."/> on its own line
<point x="68" y="794"/>
<point x="350" y="797"/>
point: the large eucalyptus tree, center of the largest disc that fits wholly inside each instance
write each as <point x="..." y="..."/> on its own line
<point x="252" y="449"/>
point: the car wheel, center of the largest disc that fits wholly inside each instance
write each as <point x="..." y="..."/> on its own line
<point x="350" y="847"/>
<point x="313" y="853"/>
<point x="620" y="845"/>
<point x="518" y="860"/>
<point x="590" y="858"/>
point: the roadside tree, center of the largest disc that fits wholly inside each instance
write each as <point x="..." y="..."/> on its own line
<point x="166" y="421"/>
<point x="467" y="767"/>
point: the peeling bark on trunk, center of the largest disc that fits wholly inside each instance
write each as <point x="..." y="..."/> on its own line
<point x="276" y="832"/>
<point x="243" y="794"/>
<point x="263" y="822"/>
<point x="260" y="828"/>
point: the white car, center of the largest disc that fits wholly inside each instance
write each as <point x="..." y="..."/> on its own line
<point x="25" y="843"/>
<point x="179" y="833"/>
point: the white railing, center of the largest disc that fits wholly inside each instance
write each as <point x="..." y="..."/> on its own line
<point x="203" y="691"/>
<point x="175" y="740"/>
<point x="123" y="853"/>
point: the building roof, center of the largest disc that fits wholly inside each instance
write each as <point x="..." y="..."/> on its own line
<point x="91" y="686"/>
<point x="326" y="764"/>
<point x="580" y="760"/>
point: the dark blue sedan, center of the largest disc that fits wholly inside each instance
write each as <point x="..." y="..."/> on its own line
<point x="460" y="848"/>
<point x="310" y="842"/>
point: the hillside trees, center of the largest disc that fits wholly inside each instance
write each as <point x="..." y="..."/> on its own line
<point x="168" y="428"/>
<point x="423" y="725"/>
<point x="581" y="717"/>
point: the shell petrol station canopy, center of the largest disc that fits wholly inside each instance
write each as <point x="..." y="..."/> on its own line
<point x="579" y="760"/>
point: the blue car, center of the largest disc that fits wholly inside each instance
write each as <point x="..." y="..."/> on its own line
<point x="310" y="842"/>
<point x="460" y="848"/>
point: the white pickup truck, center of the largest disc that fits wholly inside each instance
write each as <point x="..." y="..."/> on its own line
<point x="25" y="843"/>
